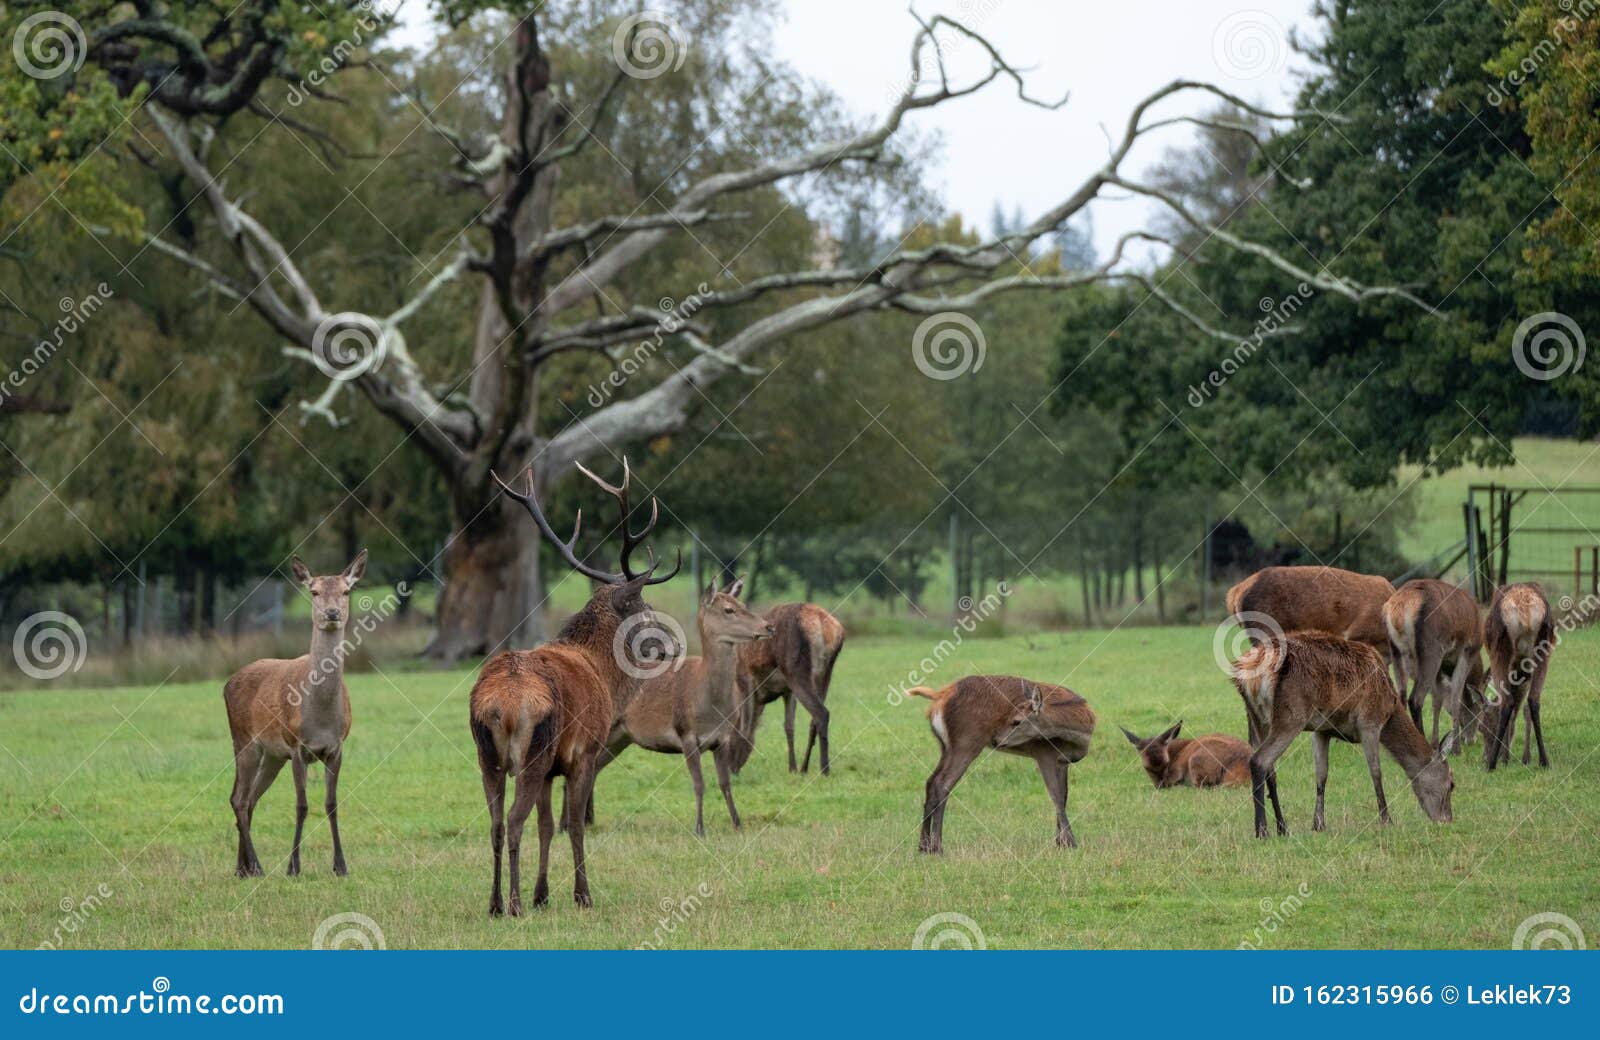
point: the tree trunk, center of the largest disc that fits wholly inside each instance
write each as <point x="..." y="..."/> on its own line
<point x="493" y="597"/>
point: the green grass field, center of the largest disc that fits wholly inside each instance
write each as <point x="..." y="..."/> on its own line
<point x="127" y="789"/>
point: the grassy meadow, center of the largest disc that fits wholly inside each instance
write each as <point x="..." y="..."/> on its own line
<point x="115" y="829"/>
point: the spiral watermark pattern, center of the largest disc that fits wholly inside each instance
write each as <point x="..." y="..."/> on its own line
<point x="948" y="345"/>
<point x="49" y="45"/>
<point x="348" y="344"/>
<point x="648" y="644"/>
<point x="348" y="931"/>
<point x="49" y="644"/>
<point x="1548" y="931"/>
<point x="949" y="931"/>
<point x="1238" y="633"/>
<point x="649" y="44"/>
<point x="1547" y="346"/>
<point x="1249" y="45"/>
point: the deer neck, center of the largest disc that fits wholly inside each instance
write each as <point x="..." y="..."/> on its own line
<point x="326" y="676"/>
<point x="722" y="667"/>
<point x="1406" y="743"/>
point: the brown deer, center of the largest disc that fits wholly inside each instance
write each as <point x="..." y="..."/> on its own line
<point x="1520" y="634"/>
<point x="1325" y="599"/>
<point x="1211" y="760"/>
<point x="539" y="714"/>
<point x="795" y="664"/>
<point x="1049" y="724"/>
<point x="1432" y="624"/>
<point x="1332" y="687"/>
<point x="294" y="711"/>
<point x="695" y="708"/>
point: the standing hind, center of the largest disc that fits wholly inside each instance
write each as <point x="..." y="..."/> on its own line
<point x="1520" y="636"/>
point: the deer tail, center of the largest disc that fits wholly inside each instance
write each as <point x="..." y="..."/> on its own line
<point x="922" y="691"/>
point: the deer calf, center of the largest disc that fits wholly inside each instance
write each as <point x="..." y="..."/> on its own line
<point x="1332" y="687"/>
<point x="1520" y="634"/>
<point x="1430" y="624"/>
<point x="695" y="708"/>
<point x="539" y="714"/>
<point x="795" y="664"/>
<point x="1212" y="760"/>
<point x="294" y="711"/>
<point x="1049" y="724"/>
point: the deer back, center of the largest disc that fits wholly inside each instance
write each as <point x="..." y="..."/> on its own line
<point x="1429" y="615"/>
<point x="1316" y="598"/>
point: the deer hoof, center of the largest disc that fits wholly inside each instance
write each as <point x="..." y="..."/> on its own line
<point x="582" y="899"/>
<point x="496" y="908"/>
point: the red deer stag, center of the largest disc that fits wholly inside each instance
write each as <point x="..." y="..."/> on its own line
<point x="294" y="711"/>
<point x="1520" y="634"/>
<point x="1432" y="624"/>
<point x="1049" y="724"/>
<point x="540" y="714"/>
<point x="795" y="664"/>
<point x="1211" y="760"/>
<point x="1332" y="687"/>
<point x="695" y="708"/>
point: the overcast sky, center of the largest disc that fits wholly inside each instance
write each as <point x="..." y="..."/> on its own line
<point x="1107" y="55"/>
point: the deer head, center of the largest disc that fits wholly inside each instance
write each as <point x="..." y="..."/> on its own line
<point x="330" y="593"/>
<point x="1156" y="751"/>
<point x="1433" y="784"/>
<point x="724" y="618"/>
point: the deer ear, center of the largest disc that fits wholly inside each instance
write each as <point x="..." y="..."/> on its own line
<point x="1172" y="733"/>
<point x="1132" y="739"/>
<point x="737" y="588"/>
<point x="357" y="568"/>
<point x="709" y="592"/>
<point x="1035" y="699"/>
<point x="301" y="572"/>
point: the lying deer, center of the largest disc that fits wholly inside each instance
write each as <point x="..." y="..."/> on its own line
<point x="1432" y="624"/>
<point x="1332" y="687"/>
<point x="1212" y="760"/>
<point x="1049" y="724"/>
<point x="795" y="664"/>
<point x="695" y="708"/>
<point x="294" y="711"/>
<point x="540" y="714"/>
<point x="1520" y="634"/>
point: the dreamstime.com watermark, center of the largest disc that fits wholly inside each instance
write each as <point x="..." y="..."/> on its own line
<point x="75" y="314"/>
<point x="942" y="51"/>
<point x="49" y="644"/>
<point x="973" y="614"/>
<point x="75" y="913"/>
<point x="49" y="45"/>
<point x="372" y="613"/>
<point x="348" y="931"/>
<point x="1249" y="45"/>
<point x="1238" y="633"/>
<point x="1563" y="29"/>
<point x="1547" y="346"/>
<point x="948" y="345"/>
<point x="676" y="314"/>
<point x="648" y="644"/>
<point x="649" y="44"/>
<point x="1548" y="931"/>
<point x="1275" y="914"/>
<point x="1275" y="315"/>
<point x="675" y="913"/>
<point x="949" y="931"/>
<point x="158" y="1000"/>
<point x="371" y="17"/>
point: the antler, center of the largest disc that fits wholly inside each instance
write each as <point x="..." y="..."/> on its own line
<point x="568" y="549"/>
<point x="632" y="540"/>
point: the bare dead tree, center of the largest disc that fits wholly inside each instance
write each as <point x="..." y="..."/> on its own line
<point x="537" y="277"/>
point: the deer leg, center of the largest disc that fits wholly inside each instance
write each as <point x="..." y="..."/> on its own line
<point x="582" y="780"/>
<point x="298" y="763"/>
<point x="953" y="765"/>
<point x="1459" y="710"/>
<point x="1536" y="727"/>
<point x="330" y="779"/>
<point x="542" y="797"/>
<point x="1054" y="772"/>
<point x="529" y="781"/>
<point x="788" y="728"/>
<point x="721" y="756"/>
<point x="1369" y="748"/>
<point x="1500" y="744"/>
<point x="691" y="758"/>
<point x="494" y="793"/>
<point x="1263" y="766"/>
<point x="267" y="770"/>
<point x="245" y="761"/>
<point x="819" y="721"/>
<point x="1319" y="745"/>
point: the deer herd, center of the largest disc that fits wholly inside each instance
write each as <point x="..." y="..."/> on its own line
<point x="1322" y="644"/>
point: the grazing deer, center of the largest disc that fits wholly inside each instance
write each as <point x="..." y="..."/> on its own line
<point x="1212" y="760"/>
<point x="540" y="714"/>
<point x="795" y="664"/>
<point x="1049" y="724"/>
<point x="1332" y="687"/>
<point x="1520" y="634"/>
<point x="695" y="708"/>
<point x="294" y="711"/>
<point x="1325" y="599"/>
<point x="1432" y="623"/>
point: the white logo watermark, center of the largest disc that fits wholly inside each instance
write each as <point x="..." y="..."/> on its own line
<point x="1238" y="633"/>
<point x="49" y="45"/>
<point x="1249" y="45"/>
<point x="648" y="644"/>
<point x="949" y="931"/>
<point x="948" y="345"/>
<point x="1547" y="346"/>
<point x="348" y="931"/>
<point x="49" y="644"/>
<point x="649" y="44"/>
